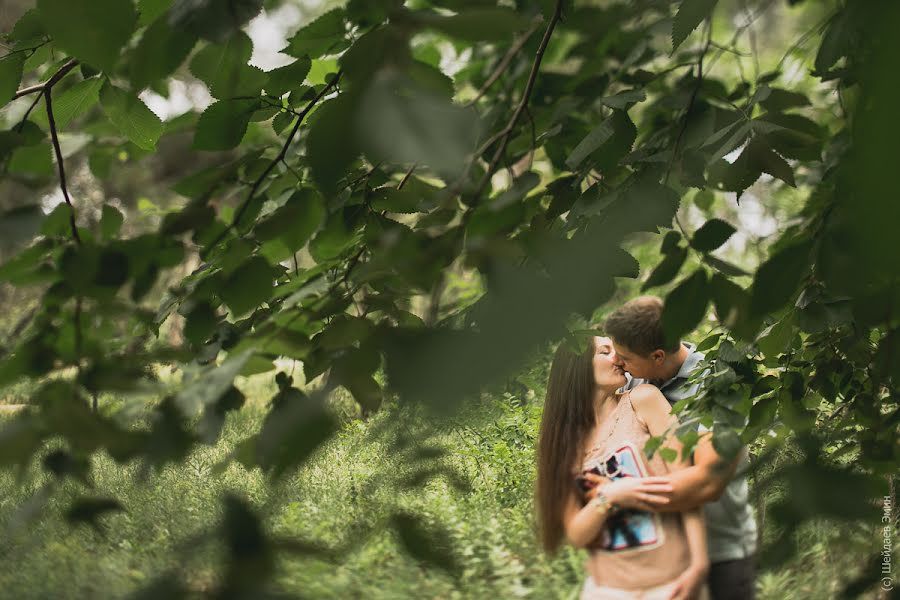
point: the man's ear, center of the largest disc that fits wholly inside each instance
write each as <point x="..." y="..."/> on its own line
<point x="658" y="356"/>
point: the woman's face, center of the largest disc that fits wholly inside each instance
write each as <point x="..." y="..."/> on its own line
<point x="607" y="375"/>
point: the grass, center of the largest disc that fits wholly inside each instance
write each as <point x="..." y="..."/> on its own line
<point x="342" y="497"/>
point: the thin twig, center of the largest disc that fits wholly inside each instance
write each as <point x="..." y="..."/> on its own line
<point x="40" y="87"/>
<point x="504" y="62"/>
<point x="738" y="32"/>
<point x="533" y="139"/>
<point x="526" y="96"/>
<point x="281" y="154"/>
<point x="21" y="124"/>
<point x="751" y="36"/>
<point x="803" y="39"/>
<point x="407" y="176"/>
<point x="687" y="114"/>
<point x="365" y="175"/>
<point x="690" y="106"/>
<point x="292" y="170"/>
<point x="54" y="137"/>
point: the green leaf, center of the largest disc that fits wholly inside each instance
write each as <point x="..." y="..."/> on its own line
<point x="792" y="136"/>
<point x="835" y="41"/>
<point x="28" y="28"/>
<point x="624" y="100"/>
<point x="704" y="199"/>
<point x="287" y="78"/>
<point x="131" y="117"/>
<point x="21" y="224"/>
<point x="779" y="277"/>
<point x="330" y="146"/>
<point x="248" y="286"/>
<point x="757" y="158"/>
<point x="727" y="443"/>
<point x="768" y="161"/>
<point x="93" y="31"/>
<point x="294" y="222"/>
<point x="72" y="103"/>
<point x="293" y="431"/>
<point x="374" y="51"/>
<point x="690" y="14"/>
<point x="335" y="237"/>
<point x="223" y="67"/>
<point x="150" y="10"/>
<point x="774" y="339"/>
<point x="727" y="140"/>
<point x="33" y="161"/>
<point x="646" y="205"/>
<point x="709" y="343"/>
<point x="611" y="152"/>
<point x="478" y="24"/>
<point x="344" y="331"/>
<point x="685" y="307"/>
<point x="404" y="123"/>
<point x="724" y="267"/>
<point x="110" y="222"/>
<point x="56" y="223"/>
<point x="668" y="454"/>
<point x="730" y="300"/>
<point x="160" y="51"/>
<point x="223" y="124"/>
<point x="596" y="138"/>
<point x="214" y="20"/>
<point x="200" y="323"/>
<point x="10" y="76"/>
<point x="670" y="242"/>
<point x="365" y="390"/>
<point x="206" y="387"/>
<point x="391" y="199"/>
<point x="793" y="413"/>
<point x="711" y="235"/>
<point x="666" y="270"/>
<point x="323" y="36"/>
<point x="779" y="100"/>
<point x="762" y="414"/>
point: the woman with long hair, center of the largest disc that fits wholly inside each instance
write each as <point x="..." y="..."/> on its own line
<point x="594" y="436"/>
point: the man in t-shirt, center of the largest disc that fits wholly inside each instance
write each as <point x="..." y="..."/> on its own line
<point x="636" y="332"/>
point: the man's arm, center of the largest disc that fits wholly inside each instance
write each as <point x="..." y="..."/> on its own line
<point x="704" y="481"/>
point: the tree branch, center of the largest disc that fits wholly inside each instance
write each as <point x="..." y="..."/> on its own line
<point x="281" y="154"/>
<point x="54" y="137"/>
<point x="40" y="87"/>
<point x="523" y="103"/>
<point x="691" y="102"/>
<point x="407" y="176"/>
<point x="504" y="62"/>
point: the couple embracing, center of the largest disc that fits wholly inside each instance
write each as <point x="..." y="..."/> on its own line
<point x="655" y="530"/>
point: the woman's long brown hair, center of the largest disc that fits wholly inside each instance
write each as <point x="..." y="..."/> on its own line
<point x="567" y="420"/>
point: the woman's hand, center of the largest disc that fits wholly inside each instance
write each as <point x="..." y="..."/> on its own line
<point x="641" y="493"/>
<point x="689" y="583"/>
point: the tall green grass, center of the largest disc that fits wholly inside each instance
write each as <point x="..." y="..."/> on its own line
<point x="480" y="494"/>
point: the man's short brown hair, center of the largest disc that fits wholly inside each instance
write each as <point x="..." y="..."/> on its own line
<point x="637" y="325"/>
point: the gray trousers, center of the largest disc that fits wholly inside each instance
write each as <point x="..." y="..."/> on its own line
<point x="733" y="579"/>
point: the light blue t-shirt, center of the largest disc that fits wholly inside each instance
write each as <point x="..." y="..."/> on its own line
<point x="730" y="524"/>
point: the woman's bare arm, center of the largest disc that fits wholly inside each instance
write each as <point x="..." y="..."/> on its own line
<point x="583" y="523"/>
<point x="652" y="407"/>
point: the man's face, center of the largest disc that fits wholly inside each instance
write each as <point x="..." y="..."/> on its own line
<point x="643" y="367"/>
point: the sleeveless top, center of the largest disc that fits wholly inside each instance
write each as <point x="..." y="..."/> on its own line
<point x="635" y="549"/>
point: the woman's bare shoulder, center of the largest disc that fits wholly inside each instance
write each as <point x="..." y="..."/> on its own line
<point x="647" y="400"/>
